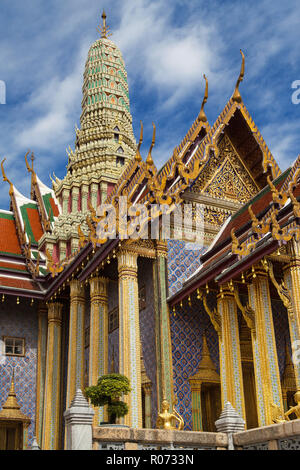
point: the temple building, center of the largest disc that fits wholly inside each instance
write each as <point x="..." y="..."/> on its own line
<point x="197" y="324"/>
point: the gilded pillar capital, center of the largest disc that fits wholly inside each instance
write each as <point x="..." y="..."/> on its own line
<point x="98" y="289"/>
<point x="161" y="248"/>
<point x="55" y="312"/>
<point x="42" y="309"/>
<point x="224" y="293"/>
<point x="257" y="271"/>
<point x="77" y="293"/>
<point x="127" y="264"/>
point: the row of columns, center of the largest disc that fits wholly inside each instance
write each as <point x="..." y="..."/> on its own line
<point x="265" y="358"/>
<point x="49" y="405"/>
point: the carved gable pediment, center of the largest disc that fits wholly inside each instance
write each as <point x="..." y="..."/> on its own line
<point x="226" y="177"/>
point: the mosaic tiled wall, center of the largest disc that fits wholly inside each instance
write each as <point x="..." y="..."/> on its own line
<point x="187" y="329"/>
<point x="182" y="263"/>
<point x="147" y="329"/>
<point x="20" y="321"/>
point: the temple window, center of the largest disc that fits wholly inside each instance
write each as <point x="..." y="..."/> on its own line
<point x="14" y="346"/>
<point x="113" y="320"/>
<point x="120" y="161"/>
<point x="116" y="135"/>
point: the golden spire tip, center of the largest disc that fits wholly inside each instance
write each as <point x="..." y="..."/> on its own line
<point x="104" y="31"/>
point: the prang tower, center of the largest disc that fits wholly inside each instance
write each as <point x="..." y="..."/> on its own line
<point x="103" y="146"/>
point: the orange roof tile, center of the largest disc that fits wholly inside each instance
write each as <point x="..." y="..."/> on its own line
<point x="9" y="242"/>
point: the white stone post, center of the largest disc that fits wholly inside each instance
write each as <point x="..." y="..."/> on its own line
<point x="79" y="421"/>
<point x="230" y="422"/>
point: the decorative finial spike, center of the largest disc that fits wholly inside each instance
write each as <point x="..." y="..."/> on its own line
<point x="202" y="117"/>
<point x="104" y="31"/>
<point x="149" y="159"/>
<point x="11" y="189"/>
<point x="236" y="95"/>
<point x="138" y="157"/>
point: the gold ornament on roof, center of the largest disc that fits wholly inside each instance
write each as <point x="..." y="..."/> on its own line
<point x="11" y="189"/>
<point x="236" y="95"/>
<point x="202" y="116"/>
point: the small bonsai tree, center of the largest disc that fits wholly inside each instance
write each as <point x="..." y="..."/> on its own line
<point x="109" y="389"/>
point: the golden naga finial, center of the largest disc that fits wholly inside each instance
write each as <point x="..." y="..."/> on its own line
<point x="149" y="159"/>
<point x="138" y="157"/>
<point x="30" y="168"/>
<point x="236" y="95"/>
<point x="202" y="116"/>
<point x="11" y="189"/>
<point x="104" y="31"/>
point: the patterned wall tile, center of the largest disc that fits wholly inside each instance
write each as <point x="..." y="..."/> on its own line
<point x="147" y="327"/>
<point x="20" y="321"/>
<point x="187" y="329"/>
<point x="182" y="263"/>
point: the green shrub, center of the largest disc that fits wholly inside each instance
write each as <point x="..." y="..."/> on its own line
<point x="109" y="389"/>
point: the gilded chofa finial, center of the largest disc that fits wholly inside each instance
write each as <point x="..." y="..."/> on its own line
<point x="202" y="117"/>
<point x="104" y="31"/>
<point x="236" y="95"/>
<point x="30" y="168"/>
<point x="11" y="189"/>
<point x="138" y="157"/>
<point x="149" y="160"/>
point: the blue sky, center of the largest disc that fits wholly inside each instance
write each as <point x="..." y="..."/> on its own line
<point x="167" y="46"/>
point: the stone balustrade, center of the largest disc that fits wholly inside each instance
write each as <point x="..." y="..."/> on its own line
<point x="122" y="438"/>
<point x="284" y="436"/>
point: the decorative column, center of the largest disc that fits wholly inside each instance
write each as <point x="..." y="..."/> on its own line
<point x="52" y="405"/>
<point x="65" y="200"/>
<point x="292" y="283"/>
<point x="163" y="331"/>
<point x="129" y="335"/>
<point x="98" y="360"/>
<point x="103" y="191"/>
<point x="74" y="244"/>
<point x="267" y="378"/>
<point x="232" y="388"/>
<point x="94" y="195"/>
<point x="62" y="249"/>
<point x="75" y="379"/>
<point x="41" y="369"/>
<point x="84" y="197"/>
<point x="75" y="195"/>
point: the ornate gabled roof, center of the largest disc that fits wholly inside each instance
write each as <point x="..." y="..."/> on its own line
<point x="9" y="240"/>
<point x="48" y="206"/>
<point x="20" y="261"/>
<point x="259" y="228"/>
